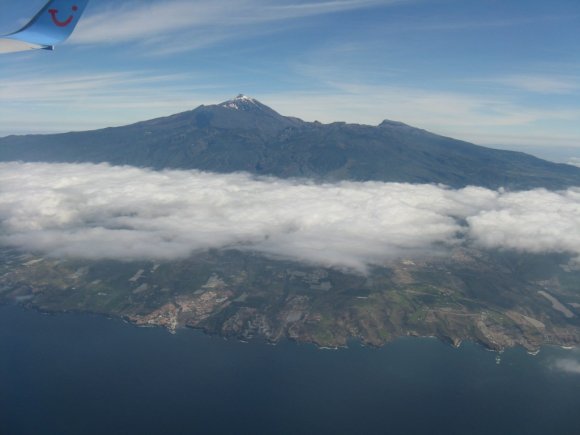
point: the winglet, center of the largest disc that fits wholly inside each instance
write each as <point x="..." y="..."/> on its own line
<point x="52" y="25"/>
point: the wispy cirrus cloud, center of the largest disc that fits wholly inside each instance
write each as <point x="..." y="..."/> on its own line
<point x="173" y="22"/>
<point x="78" y="101"/>
<point x="481" y="114"/>
<point x="342" y="101"/>
<point x="130" y="87"/>
<point x="536" y="83"/>
<point x="120" y="97"/>
<point x="476" y="24"/>
<point x="464" y="115"/>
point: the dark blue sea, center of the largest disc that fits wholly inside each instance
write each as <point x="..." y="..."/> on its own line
<point x="81" y="374"/>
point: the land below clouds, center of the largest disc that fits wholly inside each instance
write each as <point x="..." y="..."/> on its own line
<point x="246" y="257"/>
<point x="497" y="299"/>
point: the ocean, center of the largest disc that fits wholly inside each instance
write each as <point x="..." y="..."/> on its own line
<point x="84" y="374"/>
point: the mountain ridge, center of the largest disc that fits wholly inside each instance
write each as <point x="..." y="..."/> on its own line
<point x="243" y="134"/>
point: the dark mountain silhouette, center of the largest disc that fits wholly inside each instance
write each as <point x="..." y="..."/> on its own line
<point x="244" y="135"/>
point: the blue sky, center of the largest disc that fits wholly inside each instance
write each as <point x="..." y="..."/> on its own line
<point x="504" y="73"/>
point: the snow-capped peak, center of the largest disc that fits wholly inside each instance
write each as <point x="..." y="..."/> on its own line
<point x="243" y="97"/>
<point x="240" y="102"/>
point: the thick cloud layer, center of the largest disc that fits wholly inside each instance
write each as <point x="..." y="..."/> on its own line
<point x="99" y="211"/>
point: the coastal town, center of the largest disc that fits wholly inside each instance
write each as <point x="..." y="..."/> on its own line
<point x="247" y="296"/>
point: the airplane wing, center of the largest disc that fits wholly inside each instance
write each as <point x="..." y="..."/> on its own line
<point x="52" y="25"/>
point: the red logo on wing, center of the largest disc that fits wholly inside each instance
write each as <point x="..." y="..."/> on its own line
<point x="56" y="21"/>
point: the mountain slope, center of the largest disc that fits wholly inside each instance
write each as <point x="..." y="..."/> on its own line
<point x="244" y="135"/>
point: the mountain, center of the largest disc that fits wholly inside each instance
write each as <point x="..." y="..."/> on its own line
<point x="497" y="297"/>
<point x="243" y="134"/>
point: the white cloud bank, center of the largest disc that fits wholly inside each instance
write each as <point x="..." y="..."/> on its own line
<point x="99" y="211"/>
